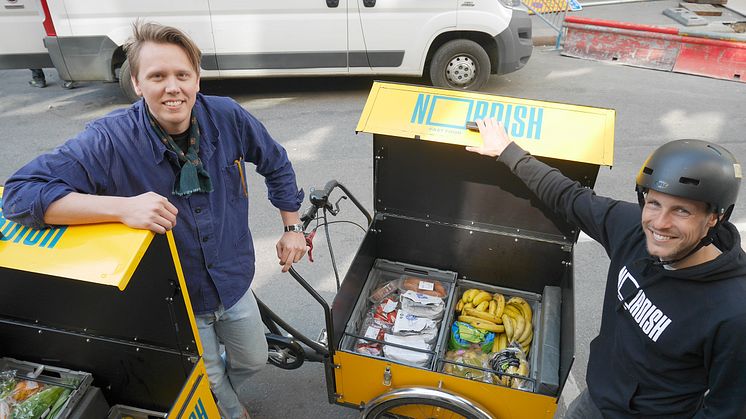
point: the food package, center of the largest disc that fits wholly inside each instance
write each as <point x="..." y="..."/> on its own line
<point x="25" y="389"/>
<point x="464" y="335"/>
<point x="408" y="324"/>
<point x="384" y="312"/>
<point x="473" y="357"/>
<point x="423" y="305"/>
<point x="35" y="405"/>
<point x="423" y="286"/>
<point x="372" y="328"/>
<point x="418" y="359"/>
<point x="511" y="360"/>
<point x="384" y="291"/>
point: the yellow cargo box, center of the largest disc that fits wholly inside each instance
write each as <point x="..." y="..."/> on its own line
<point x="461" y="221"/>
<point x="108" y="300"/>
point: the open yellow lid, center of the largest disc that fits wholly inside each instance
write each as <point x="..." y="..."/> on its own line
<point x="101" y="253"/>
<point x="556" y="130"/>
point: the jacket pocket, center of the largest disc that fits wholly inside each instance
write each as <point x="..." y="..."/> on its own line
<point x="235" y="181"/>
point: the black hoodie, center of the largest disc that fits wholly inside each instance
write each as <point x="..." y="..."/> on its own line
<point x="667" y="336"/>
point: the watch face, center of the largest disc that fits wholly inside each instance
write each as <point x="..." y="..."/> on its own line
<point x="295" y="228"/>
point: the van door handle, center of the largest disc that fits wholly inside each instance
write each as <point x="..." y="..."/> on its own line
<point x="369" y="3"/>
<point x="332" y="3"/>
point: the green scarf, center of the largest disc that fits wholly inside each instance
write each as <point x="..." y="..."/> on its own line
<point x="193" y="177"/>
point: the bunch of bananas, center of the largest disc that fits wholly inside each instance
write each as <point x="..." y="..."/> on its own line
<point x="511" y="320"/>
<point x="518" y="322"/>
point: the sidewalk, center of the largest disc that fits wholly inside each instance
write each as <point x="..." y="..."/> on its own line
<point x="642" y="12"/>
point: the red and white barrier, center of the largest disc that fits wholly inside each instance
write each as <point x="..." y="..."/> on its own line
<point x="656" y="47"/>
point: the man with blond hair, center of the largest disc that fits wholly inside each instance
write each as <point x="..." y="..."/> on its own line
<point x="175" y="161"/>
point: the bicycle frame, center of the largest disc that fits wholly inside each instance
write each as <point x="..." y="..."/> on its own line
<point x="313" y="351"/>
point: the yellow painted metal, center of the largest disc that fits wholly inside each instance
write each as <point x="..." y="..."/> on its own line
<point x="102" y="253"/>
<point x="360" y="379"/>
<point x="563" y="131"/>
<point x="185" y="295"/>
<point x="195" y="400"/>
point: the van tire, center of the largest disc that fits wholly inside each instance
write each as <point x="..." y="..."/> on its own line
<point x="460" y="64"/>
<point x="125" y="82"/>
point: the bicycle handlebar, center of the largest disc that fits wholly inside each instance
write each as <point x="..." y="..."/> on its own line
<point x="320" y="199"/>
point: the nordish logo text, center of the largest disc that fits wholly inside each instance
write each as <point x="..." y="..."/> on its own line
<point x="520" y="121"/>
<point x="27" y="236"/>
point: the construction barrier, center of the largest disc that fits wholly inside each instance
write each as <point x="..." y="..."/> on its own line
<point x="660" y="48"/>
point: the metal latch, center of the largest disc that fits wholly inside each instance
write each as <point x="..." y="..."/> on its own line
<point x="387" y="377"/>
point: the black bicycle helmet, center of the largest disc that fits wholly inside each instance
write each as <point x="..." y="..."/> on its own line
<point x="693" y="169"/>
<point x="696" y="170"/>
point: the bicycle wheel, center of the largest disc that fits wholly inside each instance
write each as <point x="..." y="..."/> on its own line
<point x="423" y="403"/>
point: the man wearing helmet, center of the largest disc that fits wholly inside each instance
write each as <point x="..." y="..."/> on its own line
<point x="673" y="330"/>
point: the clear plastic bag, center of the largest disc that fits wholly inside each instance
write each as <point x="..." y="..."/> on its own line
<point x="511" y="360"/>
<point x="474" y="357"/>
<point x="384" y="291"/>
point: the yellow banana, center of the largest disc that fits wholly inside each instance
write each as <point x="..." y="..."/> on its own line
<point x="499" y="343"/>
<point x="524" y="306"/>
<point x="482" y="324"/>
<point x="520" y="326"/>
<point x="469" y="295"/>
<point x="482" y="315"/>
<point x="500" y="304"/>
<point x="507" y="323"/>
<point x="526" y="340"/>
<point x="492" y="307"/>
<point x="523" y="368"/>
<point x="482" y="296"/>
<point x="460" y="306"/>
<point x="483" y="306"/>
<point x="468" y="305"/>
<point x="512" y="311"/>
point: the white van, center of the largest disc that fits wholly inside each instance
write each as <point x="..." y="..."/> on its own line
<point x="457" y="43"/>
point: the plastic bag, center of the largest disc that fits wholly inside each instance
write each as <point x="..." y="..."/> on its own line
<point x="463" y="335"/>
<point x="472" y="356"/>
<point x="384" y="312"/>
<point x="25" y="389"/>
<point x="34" y="406"/>
<point x="7" y="383"/>
<point x="511" y="360"/>
<point x="371" y="329"/>
<point x="418" y="359"/>
<point x="384" y="291"/>
<point x="423" y="305"/>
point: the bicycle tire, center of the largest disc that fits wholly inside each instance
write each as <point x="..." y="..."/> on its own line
<point x="433" y="403"/>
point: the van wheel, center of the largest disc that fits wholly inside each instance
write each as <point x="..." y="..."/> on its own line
<point x="125" y="82"/>
<point x="460" y="64"/>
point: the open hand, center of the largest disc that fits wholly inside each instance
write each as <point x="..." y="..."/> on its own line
<point x="494" y="138"/>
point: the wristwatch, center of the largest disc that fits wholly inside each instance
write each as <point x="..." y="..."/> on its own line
<point x="295" y="228"/>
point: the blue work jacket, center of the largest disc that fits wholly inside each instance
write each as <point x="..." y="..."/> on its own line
<point x="120" y="155"/>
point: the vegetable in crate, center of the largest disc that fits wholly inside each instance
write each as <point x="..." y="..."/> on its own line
<point x="4" y="410"/>
<point x="25" y="389"/>
<point x="36" y="405"/>
<point x="7" y="383"/>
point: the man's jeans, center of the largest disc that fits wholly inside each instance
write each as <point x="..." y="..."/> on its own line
<point x="241" y="330"/>
<point x="583" y="408"/>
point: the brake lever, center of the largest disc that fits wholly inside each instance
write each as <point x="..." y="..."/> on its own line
<point x="334" y="209"/>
